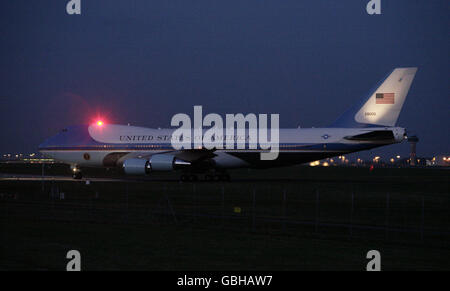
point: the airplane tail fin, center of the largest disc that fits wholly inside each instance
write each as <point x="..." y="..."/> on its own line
<point x="383" y="104"/>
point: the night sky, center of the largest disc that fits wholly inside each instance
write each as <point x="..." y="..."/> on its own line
<point x="142" y="61"/>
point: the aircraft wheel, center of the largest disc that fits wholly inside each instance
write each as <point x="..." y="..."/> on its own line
<point x="193" y="178"/>
<point x="184" y="178"/>
<point x="208" y="178"/>
<point x="77" y="175"/>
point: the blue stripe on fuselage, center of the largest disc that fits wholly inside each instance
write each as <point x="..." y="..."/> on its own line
<point x="168" y="146"/>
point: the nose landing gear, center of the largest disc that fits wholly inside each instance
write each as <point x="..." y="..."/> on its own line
<point x="76" y="173"/>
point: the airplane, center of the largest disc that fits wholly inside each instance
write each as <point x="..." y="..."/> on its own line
<point x="368" y="124"/>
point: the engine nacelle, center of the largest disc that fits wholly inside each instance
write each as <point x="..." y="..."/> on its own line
<point x="161" y="162"/>
<point x="136" y="167"/>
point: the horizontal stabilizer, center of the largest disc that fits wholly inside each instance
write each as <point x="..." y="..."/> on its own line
<point x="373" y="136"/>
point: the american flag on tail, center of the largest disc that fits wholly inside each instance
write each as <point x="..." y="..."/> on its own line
<point x="385" y="98"/>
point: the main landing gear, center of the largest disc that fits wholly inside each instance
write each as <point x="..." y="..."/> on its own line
<point x="208" y="177"/>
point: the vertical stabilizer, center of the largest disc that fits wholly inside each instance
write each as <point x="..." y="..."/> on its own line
<point x="383" y="105"/>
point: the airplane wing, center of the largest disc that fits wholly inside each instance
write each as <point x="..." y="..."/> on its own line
<point x="193" y="155"/>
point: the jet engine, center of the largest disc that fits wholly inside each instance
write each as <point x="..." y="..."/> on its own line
<point x="159" y="162"/>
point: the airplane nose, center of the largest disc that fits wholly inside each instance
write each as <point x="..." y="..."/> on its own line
<point x="43" y="145"/>
<point x="68" y="137"/>
<point x="49" y="142"/>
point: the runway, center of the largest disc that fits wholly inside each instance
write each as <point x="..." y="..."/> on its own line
<point x="36" y="178"/>
<point x="333" y="175"/>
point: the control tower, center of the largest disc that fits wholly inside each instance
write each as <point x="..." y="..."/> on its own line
<point x="413" y="140"/>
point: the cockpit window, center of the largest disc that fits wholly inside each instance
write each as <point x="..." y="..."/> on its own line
<point x="64" y="130"/>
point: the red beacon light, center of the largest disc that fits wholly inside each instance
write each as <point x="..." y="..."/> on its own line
<point x="99" y="123"/>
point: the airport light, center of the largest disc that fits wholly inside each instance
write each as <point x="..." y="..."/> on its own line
<point x="315" y="163"/>
<point x="398" y="157"/>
